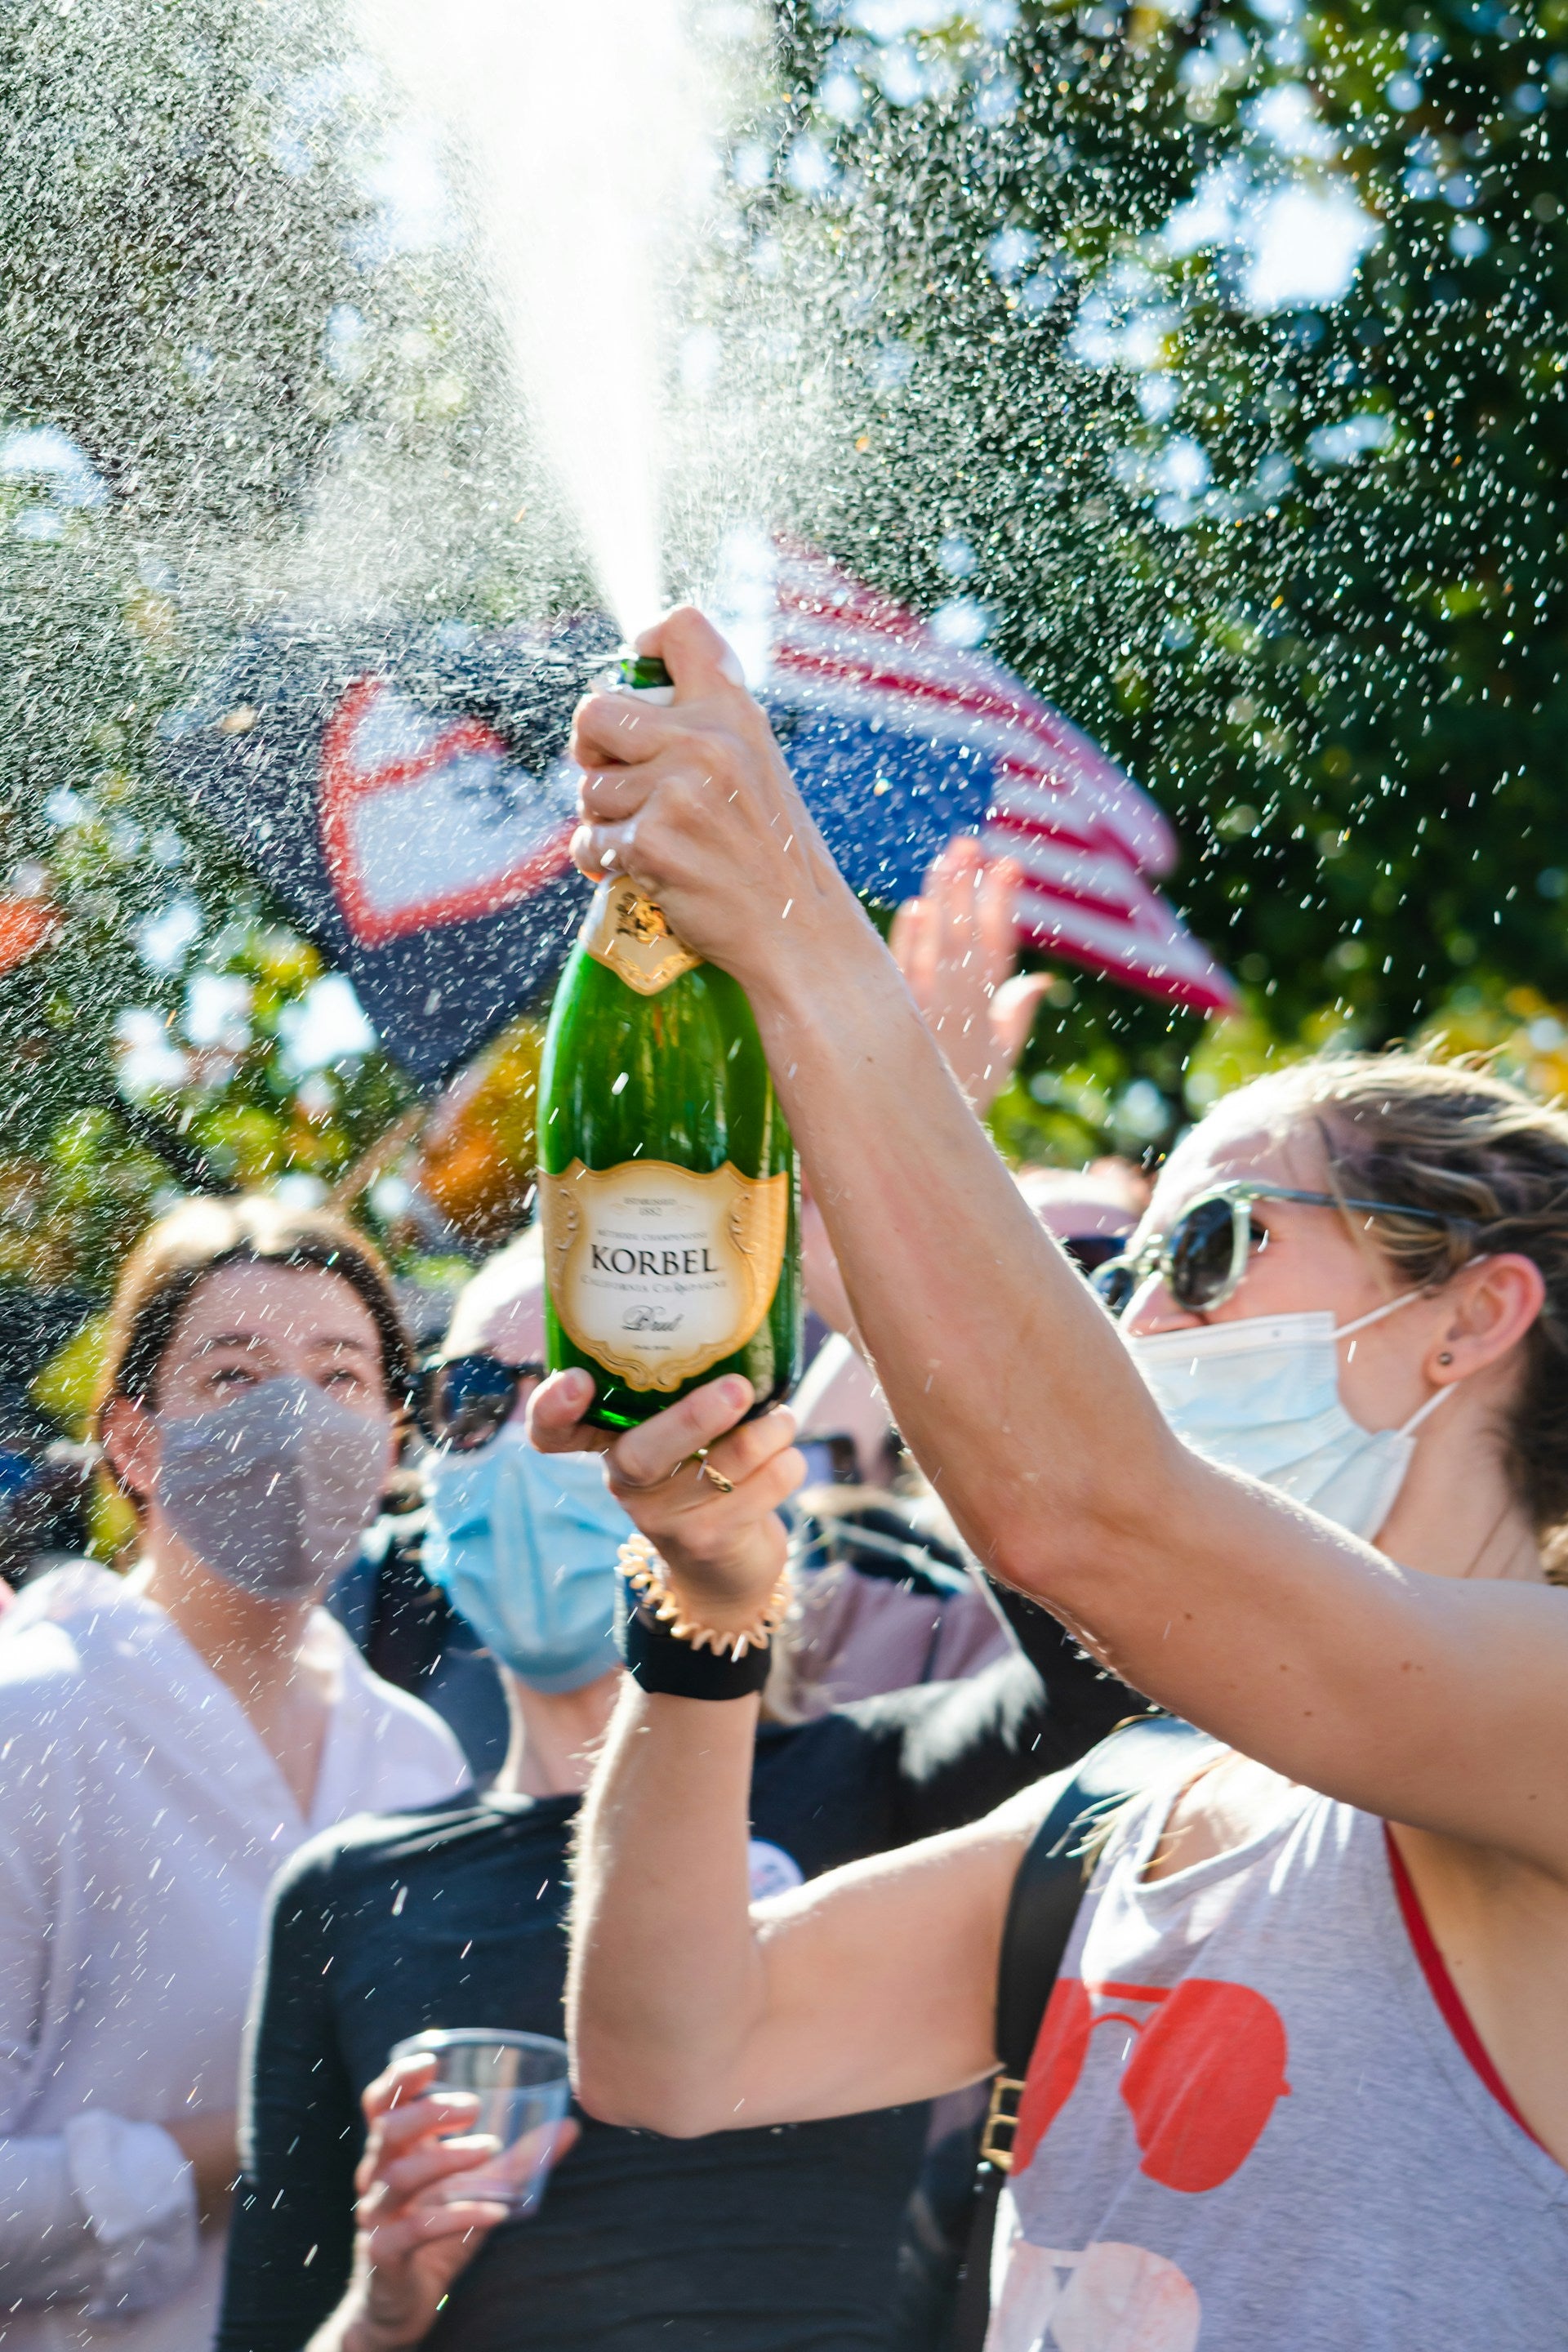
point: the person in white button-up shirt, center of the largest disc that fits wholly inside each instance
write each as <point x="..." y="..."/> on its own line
<point x="167" y="1740"/>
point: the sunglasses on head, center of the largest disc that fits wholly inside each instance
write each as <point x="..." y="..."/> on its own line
<point x="462" y="1402"/>
<point x="1204" y="1256"/>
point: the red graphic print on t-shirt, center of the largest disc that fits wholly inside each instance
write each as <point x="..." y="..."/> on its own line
<point x="1208" y="2063"/>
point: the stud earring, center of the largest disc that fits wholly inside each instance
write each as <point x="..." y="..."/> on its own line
<point x="1445" y="1358"/>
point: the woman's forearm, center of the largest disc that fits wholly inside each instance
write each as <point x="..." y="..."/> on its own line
<point x="873" y="1986"/>
<point x="666" y="1983"/>
<point x="999" y="1369"/>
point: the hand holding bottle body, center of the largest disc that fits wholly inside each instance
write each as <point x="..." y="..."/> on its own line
<point x="693" y="801"/>
<point x="703" y="1484"/>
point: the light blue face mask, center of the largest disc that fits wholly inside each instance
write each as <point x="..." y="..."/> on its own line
<point x="1262" y="1394"/>
<point x="524" y="1545"/>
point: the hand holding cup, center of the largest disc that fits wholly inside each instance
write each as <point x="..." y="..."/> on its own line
<point x="430" y="2191"/>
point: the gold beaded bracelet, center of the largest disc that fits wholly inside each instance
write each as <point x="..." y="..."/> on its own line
<point x="643" y="1569"/>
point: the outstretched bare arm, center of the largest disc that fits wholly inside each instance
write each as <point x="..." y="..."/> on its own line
<point x="689" y="2011"/>
<point x="1301" y="1646"/>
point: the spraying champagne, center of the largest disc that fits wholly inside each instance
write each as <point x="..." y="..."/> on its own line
<point x="667" y="1176"/>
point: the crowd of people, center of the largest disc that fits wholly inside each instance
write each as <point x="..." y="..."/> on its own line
<point x="372" y="1734"/>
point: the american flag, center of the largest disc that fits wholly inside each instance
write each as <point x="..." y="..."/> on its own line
<point x="427" y="855"/>
<point x="950" y="726"/>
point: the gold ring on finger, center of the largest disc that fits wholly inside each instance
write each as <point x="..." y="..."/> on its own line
<point x="715" y="1478"/>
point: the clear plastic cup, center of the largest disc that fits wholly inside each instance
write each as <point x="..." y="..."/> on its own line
<point x="520" y="2083"/>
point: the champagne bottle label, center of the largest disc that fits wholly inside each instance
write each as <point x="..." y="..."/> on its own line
<point x="628" y="933"/>
<point x="658" y="1271"/>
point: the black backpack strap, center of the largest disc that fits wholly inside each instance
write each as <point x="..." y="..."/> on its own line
<point x="1050" y="1883"/>
<point x="1035" y="1937"/>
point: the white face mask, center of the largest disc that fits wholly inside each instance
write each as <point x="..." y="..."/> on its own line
<point x="1262" y="1395"/>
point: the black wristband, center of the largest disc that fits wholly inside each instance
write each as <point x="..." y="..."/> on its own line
<point x="658" y="1662"/>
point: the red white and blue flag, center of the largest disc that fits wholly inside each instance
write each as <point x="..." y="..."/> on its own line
<point x="411" y="802"/>
<point x="973" y="741"/>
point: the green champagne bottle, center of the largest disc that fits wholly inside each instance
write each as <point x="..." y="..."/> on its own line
<point x="668" y="1186"/>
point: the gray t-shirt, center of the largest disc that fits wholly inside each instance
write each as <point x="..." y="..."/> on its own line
<point x="1247" y="2123"/>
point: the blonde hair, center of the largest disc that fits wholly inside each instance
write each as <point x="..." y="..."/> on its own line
<point x="1454" y="1137"/>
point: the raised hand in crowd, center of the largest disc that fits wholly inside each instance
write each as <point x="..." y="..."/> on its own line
<point x="956" y="944"/>
<point x="957" y="947"/>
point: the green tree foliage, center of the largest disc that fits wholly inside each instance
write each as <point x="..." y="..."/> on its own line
<point x="87" y="839"/>
<point x="1299" y="560"/>
<point x="216" y="304"/>
<point x="172" y="228"/>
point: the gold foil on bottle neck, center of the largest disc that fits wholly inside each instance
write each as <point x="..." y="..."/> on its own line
<point x="627" y="932"/>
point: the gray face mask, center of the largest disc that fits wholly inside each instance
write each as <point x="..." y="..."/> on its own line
<point x="273" y="1490"/>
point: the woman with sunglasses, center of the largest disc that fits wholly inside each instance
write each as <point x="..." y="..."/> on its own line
<point x="469" y="1392"/>
<point x="1304" y="2077"/>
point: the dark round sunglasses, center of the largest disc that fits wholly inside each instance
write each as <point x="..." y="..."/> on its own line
<point x="462" y="1402"/>
<point x="1204" y="1256"/>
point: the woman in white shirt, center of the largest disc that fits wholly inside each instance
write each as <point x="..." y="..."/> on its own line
<point x="167" y="1740"/>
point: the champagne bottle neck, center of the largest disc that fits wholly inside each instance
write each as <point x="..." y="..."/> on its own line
<point x="643" y="674"/>
<point x="624" y="930"/>
<point x="629" y="934"/>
